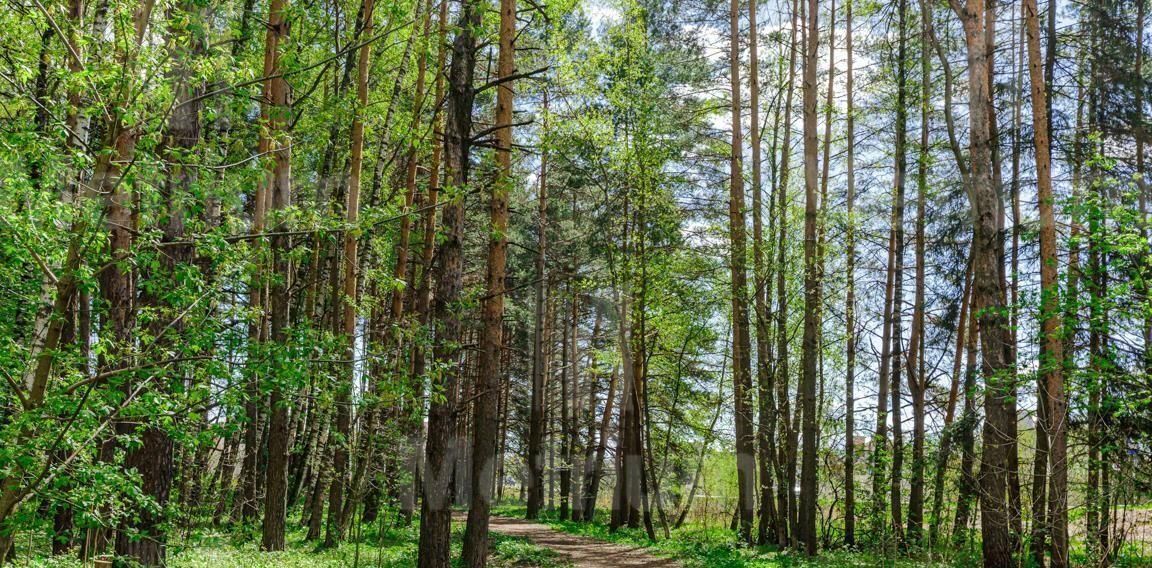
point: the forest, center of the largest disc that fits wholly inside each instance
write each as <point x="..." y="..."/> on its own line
<point x="575" y="283"/>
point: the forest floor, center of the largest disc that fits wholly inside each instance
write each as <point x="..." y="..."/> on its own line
<point x="692" y="546"/>
<point x="390" y="548"/>
<point x="583" y="552"/>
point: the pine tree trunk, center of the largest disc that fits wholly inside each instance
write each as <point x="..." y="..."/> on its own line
<point x="340" y="457"/>
<point x="485" y="419"/>
<point x="422" y="297"/>
<point x="968" y="485"/>
<point x="880" y="523"/>
<point x="785" y="472"/>
<point x="592" y="491"/>
<point x="588" y="462"/>
<point x="436" y="513"/>
<point x="850" y="296"/>
<point x="580" y="503"/>
<point x="153" y="458"/>
<point x="917" y="378"/>
<point x="536" y="424"/>
<point x="947" y="433"/>
<point x="806" y="528"/>
<point x="570" y="489"/>
<point x="741" y="344"/>
<point x="988" y="296"/>
<point x="898" y="239"/>
<point x="1049" y="510"/>
<point x="765" y="426"/>
<point x="565" y="419"/>
<point x="118" y="291"/>
<point x="280" y="195"/>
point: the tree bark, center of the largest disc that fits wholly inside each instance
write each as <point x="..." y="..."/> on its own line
<point x="565" y="426"/>
<point x="592" y="490"/>
<point x="422" y="297"/>
<point x="850" y="297"/>
<point x="436" y="513"/>
<point x="280" y="193"/>
<point x="336" y="495"/>
<point x="581" y="502"/>
<point x="784" y="473"/>
<point x="988" y="295"/>
<point x="968" y="485"/>
<point x="765" y="436"/>
<point x="1050" y="519"/>
<point x="536" y="425"/>
<point x="806" y="532"/>
<point x="485" y="419"/>
<point x="898" y="239"/>
<point x="145" y="539"/>
<point x="741" y="344"/>
<point x="917" y="379"/>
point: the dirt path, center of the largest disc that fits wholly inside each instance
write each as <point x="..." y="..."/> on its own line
<point x="584" y="552"/>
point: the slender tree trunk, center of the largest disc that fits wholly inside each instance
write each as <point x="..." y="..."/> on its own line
<point x="765" y="442"/>
<point x="947" y="433"/>
<point x="316" y="506"/>
<point x="536" y="424"/>
<point x="565" y="417"/>
<point x="382" y="322"/>
<point x="335" y="527"/>
<point x="1097" y="515"/>
<point x="1071" y="306"/>
<point x="850" y="297"/>
<point x="550" y="397"/>
<point x="505" y="414"/>
<point x="897" y="349"/>
<point x="785" y="478"/>
<point x="118" y="291"/>
<point x="806" y="532"/>
<point x="250" y="469"/>
<point x="741" y="344"/>
<point x="580" y="502"/>
<point x="422" y="298"/>
<point x="280" y="194"/>
<point x="436" y="513"/>
<point x="642" y="438"/>
<point x="485" y="420"/>
<point x="592" y="491"/>
<point x="1051" y="410"/>
<point x="968" y="485"/>
<point x="917" y="379"/>
<point x="621" y="510"/>
<point x="988" y="296"/>
<point x="572" y="427"/>
<point x="306" y="430"/>
<point x="879" y="465"/>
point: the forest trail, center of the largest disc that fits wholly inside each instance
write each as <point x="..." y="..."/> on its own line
<point x="584" y="552"/>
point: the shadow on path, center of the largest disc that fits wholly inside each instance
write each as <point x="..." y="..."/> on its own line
<point x="584" y="552"/>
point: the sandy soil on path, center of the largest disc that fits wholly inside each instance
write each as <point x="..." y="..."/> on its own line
<point x="582" y="551"/>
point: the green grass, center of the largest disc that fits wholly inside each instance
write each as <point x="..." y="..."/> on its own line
<point x="392" y="548"/>
<point x="699" y="547"/>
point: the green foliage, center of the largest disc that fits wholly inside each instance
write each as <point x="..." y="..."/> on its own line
<point x="393" y="548"/>
<point x="718" y="547"/>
